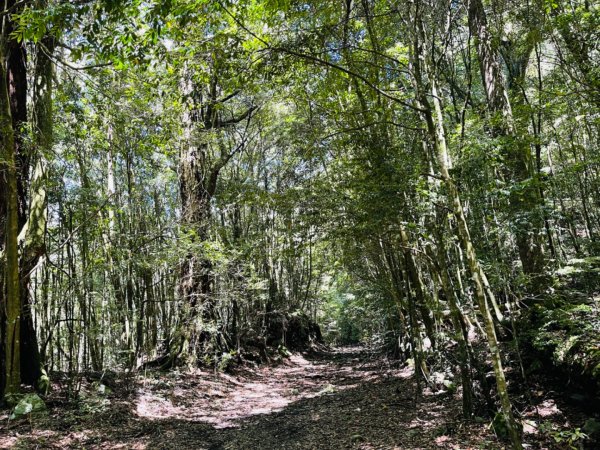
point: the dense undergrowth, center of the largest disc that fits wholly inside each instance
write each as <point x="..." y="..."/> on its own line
<point x="563" y="327"/>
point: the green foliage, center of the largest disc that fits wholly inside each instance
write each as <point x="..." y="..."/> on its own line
<point x="565" y="327"/>
<point x="101" y="389"/>
<point x="572" y="439"/>
<point x="43" y="383"/>
<point x="227" y="361"/>
<point x="283" y="351"/>
<point x="28" y="405"/>
<point x="93" y="404"/>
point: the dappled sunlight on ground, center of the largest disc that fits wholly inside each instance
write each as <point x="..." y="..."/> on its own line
<point x="223" y="400"/>
<point x="548" y="408"/>
<point x="347" y="398"/>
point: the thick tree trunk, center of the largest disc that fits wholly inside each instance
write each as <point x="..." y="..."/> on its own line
<point x="195" y="285"/>
<point x="34" y="231"/>
<point x="17" y="92"/>
<point x="524" y="198"/>
<point x="30" y="223"/>
<point x="198" y="175"/>
<point x="11" y="304"/>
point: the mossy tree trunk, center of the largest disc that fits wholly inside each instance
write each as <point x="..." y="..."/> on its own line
<point x="433" y="116"/>
<point x="198" y="176"/>
<point x="33" y="233"/>
<point x="11" y="304"/>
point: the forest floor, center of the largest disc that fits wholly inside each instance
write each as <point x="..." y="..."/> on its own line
<point x="344" y="399"/>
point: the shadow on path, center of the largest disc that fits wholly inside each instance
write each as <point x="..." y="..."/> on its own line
<point x="343" y="399"/>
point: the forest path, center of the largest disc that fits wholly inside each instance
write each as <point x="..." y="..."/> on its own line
<point x="346" y="398"/>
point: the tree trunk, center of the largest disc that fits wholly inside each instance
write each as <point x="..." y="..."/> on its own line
<point x="436" y="134"/>
<point x="195" y="285"/>
<point x="476" y="271"/>
<point x="198" y="175"/>
<point x="12" y="302"/>
<point x="34" y="231"/>
<point x="524" y="197"/>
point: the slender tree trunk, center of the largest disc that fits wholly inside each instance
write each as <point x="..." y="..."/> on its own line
<point x="423" y="305"/>
<point x="477" y="273"/>
<point x="459" y="322"/>
<point x="435" y="128"/>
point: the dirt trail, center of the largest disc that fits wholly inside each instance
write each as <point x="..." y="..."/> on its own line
<point x="337" y="400"/>
<point x="225" y="400"/>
